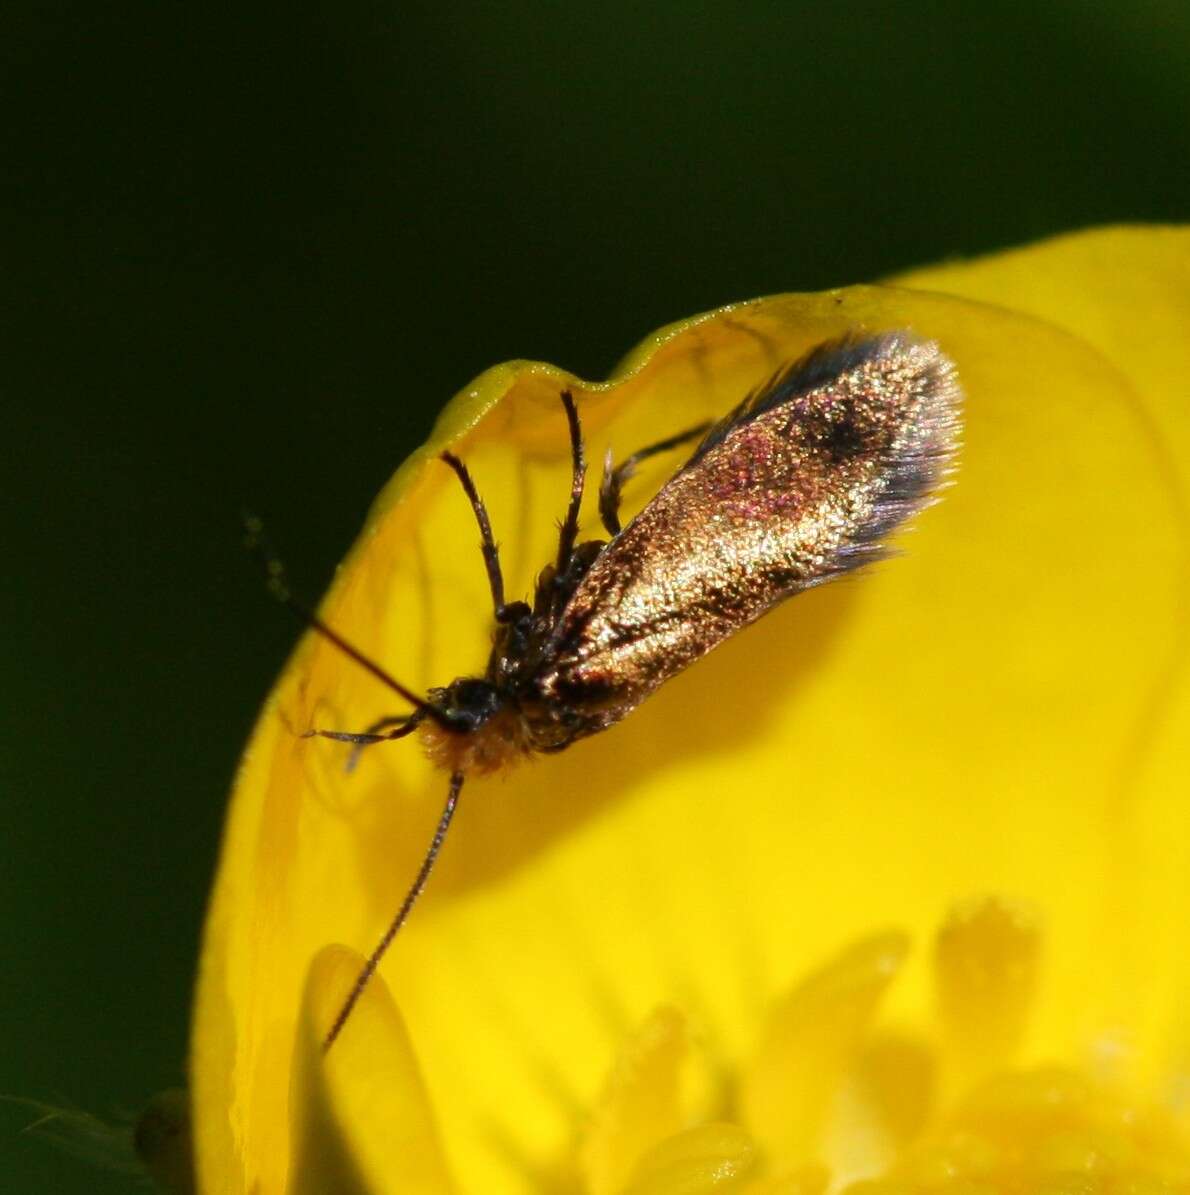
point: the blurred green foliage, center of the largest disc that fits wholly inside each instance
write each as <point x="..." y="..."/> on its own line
<point x="250" y="250"/>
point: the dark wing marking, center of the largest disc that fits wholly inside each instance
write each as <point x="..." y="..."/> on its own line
<point x="818" y="367"/>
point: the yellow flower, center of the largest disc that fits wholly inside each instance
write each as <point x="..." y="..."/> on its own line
<point x="730" y="941"/>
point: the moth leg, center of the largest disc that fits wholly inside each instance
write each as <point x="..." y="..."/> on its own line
<point x="378" y="732"/>
<point x="578" y="475"/>
<point x="491" y="554"/>
<point x="613" y="478"/>
<point x="404" y="723"/>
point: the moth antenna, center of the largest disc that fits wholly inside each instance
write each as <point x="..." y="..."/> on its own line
<point x="274" y="574"/>
<point x="419" y="883"/>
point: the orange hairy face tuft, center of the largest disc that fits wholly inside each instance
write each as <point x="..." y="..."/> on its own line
<point x="499" y="742"/>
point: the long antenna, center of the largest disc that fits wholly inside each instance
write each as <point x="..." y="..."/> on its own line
<point x="423" y="874"/>
<point x="274" y="573"/>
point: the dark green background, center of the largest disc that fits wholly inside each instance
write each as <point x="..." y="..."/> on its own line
<point x="249" y="250"/>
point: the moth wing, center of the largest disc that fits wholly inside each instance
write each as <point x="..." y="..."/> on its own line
<point x="798" y="484"/>
<point x="818" y="367"/>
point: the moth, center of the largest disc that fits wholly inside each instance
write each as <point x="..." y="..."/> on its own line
<point x="799" y="484"/>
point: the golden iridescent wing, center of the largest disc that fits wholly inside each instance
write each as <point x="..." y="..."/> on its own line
<point x="800" y="483"/>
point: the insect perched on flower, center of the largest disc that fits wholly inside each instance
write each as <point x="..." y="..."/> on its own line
<point x="797" y="485"/>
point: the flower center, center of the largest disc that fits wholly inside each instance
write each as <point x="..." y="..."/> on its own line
<point x="833" y="1100"/>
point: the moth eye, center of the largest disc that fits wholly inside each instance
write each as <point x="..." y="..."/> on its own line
<point x="477" y="699"/>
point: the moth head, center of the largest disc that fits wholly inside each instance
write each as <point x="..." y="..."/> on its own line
<point x="478" y="730"/>
<point x="467" y="703"/>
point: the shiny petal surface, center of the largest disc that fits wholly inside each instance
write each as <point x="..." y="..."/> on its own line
<point x="708" y="1160"/>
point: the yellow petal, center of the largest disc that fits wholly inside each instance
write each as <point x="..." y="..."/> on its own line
<point x="1125" y="294"/>
<point x="362" y="1123"/>
<point x="706" y="1159"/>
<point x="1048" y="1129"/>
<point x="812" y="1037"/>
<point x="892" y="1092"/>
<point x="985" y="967"/>
<point x="1000" y="710"/>
<point x="1122" y="290"/>
<point x="641" y="1104"/>
<point x="812" y="1180"/>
